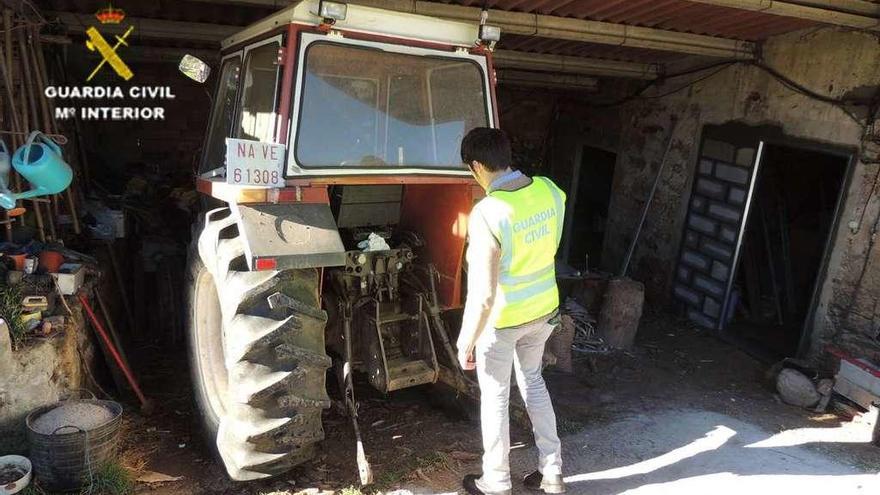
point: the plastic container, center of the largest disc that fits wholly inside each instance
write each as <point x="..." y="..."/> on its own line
<point x="39" y="161"/>
<point x="20" y="464"/>
<point x="70" y="278"/>
<point x="51" y="261"/>
<point x="18" y="259"/>
<point x="30" y="264"/>
<point x="64" y="459"/>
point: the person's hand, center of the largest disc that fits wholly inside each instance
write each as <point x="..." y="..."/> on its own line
<point x="466" y="359"/>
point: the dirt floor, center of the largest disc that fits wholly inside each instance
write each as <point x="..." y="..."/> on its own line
<point x="634" y="416"/>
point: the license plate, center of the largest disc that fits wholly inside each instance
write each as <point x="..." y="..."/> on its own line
<point x="254" y="163"/>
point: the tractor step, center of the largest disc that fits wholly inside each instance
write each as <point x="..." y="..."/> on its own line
<point x="403" y="373"/>
<point x="390" y="319"/>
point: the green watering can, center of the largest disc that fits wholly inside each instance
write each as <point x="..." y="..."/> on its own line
<point x="39" y="161"/>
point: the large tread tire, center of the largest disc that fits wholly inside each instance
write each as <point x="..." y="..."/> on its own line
<point x="264" y="413"/>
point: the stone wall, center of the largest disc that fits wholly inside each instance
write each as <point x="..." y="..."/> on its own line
<point x="549" y="129"/>
<point x="40" y="372"/>
<point x="546" y="127"/>
<point x="832" y="62"/>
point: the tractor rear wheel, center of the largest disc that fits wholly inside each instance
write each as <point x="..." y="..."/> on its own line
<point x="258" y="371"/>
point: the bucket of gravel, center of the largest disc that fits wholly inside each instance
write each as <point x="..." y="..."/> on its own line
<point x="70" y="440"/>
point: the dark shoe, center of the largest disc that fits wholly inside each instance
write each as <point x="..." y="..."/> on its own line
<point x="549" y="484"/>
<point x="469" y="483"/>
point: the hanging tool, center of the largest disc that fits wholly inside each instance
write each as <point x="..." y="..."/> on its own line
<point x="771" y="266"/>
<point x="111" y="327"/>
<point x="27" y="105"/>
<point x="632" y="245"/>
<point x="120" y="282"/>
<point x="6" y="74"/>
<point x="48" y="122"/>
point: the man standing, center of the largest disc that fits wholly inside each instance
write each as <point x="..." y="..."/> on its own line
<point x="512" y="307"/>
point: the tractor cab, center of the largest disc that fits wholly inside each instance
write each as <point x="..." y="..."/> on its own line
<point x="353" y="90"/>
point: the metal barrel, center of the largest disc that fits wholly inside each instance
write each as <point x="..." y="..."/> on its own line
<point x="66" y="459"/>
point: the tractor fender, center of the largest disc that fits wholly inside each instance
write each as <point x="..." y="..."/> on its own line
<point x="298" y="235"/>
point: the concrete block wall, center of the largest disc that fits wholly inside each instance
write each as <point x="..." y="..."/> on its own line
<point x="717" y="206"/>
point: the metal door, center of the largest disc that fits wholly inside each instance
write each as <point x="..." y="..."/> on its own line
<point x="722" y="190"/>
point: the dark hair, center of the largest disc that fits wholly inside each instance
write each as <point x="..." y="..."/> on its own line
<point x="491" y="147"/>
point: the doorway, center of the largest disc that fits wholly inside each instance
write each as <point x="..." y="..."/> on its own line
<point x="588" y="217"/>
<point x="793" y="214"/>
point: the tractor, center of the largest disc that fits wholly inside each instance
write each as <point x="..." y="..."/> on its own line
<point x="335" y="220"/>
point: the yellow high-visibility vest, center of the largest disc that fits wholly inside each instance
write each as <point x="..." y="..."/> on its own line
<point x="528" y="225"/>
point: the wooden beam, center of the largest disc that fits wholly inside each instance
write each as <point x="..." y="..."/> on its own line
<point x="157" y="29"/>
<point x="274" y="4"/>
<point x="168" y="54"/>
<point x="861" y="7"/>
<point x="507" y="59"/>
<point x="564" y="28"/>
<point x="817" y="11"/>
<point x="512" y="77"/>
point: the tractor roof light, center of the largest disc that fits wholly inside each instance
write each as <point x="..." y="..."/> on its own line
<point x="332" y="11"/>
<point x="490" y="34"/>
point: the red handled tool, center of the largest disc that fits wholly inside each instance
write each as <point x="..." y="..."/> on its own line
<point x="145" y="404"/>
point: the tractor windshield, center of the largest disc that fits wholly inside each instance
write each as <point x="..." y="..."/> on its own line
<point x="365" y="107"/>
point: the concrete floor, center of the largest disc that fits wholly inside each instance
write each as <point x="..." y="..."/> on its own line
<point x="698" y="452"/>
<point x="681" y="413"/>
<point x="686" y="452"/>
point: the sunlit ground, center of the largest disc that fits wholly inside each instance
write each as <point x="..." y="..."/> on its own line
<point x="694" y="452"/>
<point x="702" y="453"/>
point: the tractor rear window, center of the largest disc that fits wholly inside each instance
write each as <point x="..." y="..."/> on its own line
<point x="362" y="107"/>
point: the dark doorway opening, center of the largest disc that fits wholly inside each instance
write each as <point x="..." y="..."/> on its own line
<point x="793" y="212"/>
<point x="589" y="215"/>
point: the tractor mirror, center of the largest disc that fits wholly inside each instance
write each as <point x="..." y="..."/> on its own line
<point x="194" y="68"/>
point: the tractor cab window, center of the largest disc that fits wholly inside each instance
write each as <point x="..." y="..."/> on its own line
<point x="363" y="107"/>
<point x="221" y="116"/>
<point x="256" y="119"/>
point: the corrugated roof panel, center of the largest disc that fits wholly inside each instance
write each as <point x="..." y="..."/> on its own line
<point x="674" y="15"/>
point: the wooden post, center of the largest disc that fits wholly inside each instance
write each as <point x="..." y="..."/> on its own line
<point x="48" y="122"/>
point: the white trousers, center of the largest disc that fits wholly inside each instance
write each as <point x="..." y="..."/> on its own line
<point x="497" y="351"/>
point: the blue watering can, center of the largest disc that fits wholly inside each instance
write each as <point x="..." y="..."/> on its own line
<point x="39" y="161"/>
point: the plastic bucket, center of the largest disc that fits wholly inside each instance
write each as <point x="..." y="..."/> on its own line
<point x="17" y="466"/>
<point x="66" y="459"/>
